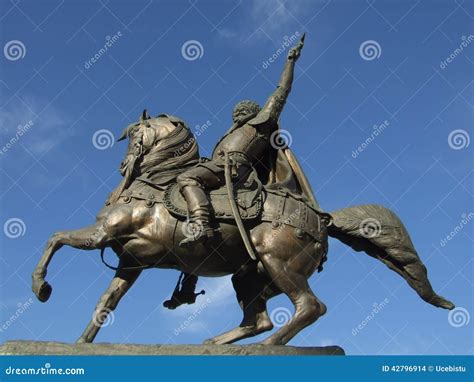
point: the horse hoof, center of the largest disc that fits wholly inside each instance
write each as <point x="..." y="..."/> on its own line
<point x="42" y="291"/>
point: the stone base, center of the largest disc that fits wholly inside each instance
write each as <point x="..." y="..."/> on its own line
<point x="60" y="348"/>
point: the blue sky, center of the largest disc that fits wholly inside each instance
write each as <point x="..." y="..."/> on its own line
<point x="418" y="77"/>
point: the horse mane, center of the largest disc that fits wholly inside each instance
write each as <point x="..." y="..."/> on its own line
<point x="163" y="161"/>
<point x="177" y="150"/>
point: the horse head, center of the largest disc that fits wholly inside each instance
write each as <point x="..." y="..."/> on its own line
<point x="157" y="141"/>
<point x="155" y="145"/>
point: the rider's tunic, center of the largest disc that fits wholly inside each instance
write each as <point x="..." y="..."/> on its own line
<point x="246" y="144"/>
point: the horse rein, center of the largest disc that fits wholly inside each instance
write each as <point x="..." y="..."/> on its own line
<point x="135" y="268"/>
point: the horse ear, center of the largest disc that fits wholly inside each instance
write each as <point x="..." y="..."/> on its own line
<point x="144" y="116"/>
<point x="123" y="135"/>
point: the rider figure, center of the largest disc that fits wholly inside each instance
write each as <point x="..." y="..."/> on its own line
<point x="245" y="144"/>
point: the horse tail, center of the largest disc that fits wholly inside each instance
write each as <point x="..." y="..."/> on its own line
<point x="377" y="231"/>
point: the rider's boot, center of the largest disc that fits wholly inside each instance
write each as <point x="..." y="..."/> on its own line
<point x="197" y="229"/>
<point x="184" y="292"/>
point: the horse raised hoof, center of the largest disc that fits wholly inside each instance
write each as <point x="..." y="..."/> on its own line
<point x="42" y="290"/>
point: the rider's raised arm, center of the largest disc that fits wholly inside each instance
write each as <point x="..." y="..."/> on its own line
<point x="274" y="105"/>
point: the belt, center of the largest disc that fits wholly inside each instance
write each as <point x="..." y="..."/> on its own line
<point x="235" y="157"/>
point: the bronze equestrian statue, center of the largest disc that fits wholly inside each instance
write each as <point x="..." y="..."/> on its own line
<point x="264" y="226"/>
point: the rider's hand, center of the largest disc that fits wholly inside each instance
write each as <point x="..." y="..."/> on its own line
<point x="295" y="52"/>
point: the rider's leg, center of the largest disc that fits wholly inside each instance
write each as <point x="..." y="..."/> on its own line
<point x="192" y="184"/>
<point x="198" y="204"/>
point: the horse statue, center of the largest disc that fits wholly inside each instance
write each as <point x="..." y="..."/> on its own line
<point x="144" y="220"/>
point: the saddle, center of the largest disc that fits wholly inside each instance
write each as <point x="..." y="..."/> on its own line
<point x="277" y="206"/>
<point x="249" y="200"/>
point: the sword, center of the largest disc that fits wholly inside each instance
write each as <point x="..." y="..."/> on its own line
<point x="235" y="209"/>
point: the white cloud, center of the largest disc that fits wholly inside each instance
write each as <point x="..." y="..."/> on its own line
<point x="275" y="19"/>
<point x="227" y="33"/>
<point x="48" y="126"/>
<point x="264" y="19"/>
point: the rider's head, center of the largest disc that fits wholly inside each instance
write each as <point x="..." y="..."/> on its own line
<point x="243" y="109"/>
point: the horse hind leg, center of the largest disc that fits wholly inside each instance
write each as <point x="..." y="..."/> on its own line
<point x="308" y="308"/>
<point x="289" y="262"/>
<point x="88" y="238"/>
<point x="252" y="297"/>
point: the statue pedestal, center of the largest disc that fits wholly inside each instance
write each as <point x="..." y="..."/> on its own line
<point x="60" y="348"/>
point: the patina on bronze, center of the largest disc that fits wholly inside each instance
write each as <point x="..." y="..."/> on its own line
<point x="146" y="218"/>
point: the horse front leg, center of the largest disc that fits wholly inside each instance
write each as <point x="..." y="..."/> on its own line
<point x="120" y="284"/>
<point x="88" y="238"/>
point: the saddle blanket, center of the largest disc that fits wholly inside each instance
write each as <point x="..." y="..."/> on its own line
<point x="248" y="199"/>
